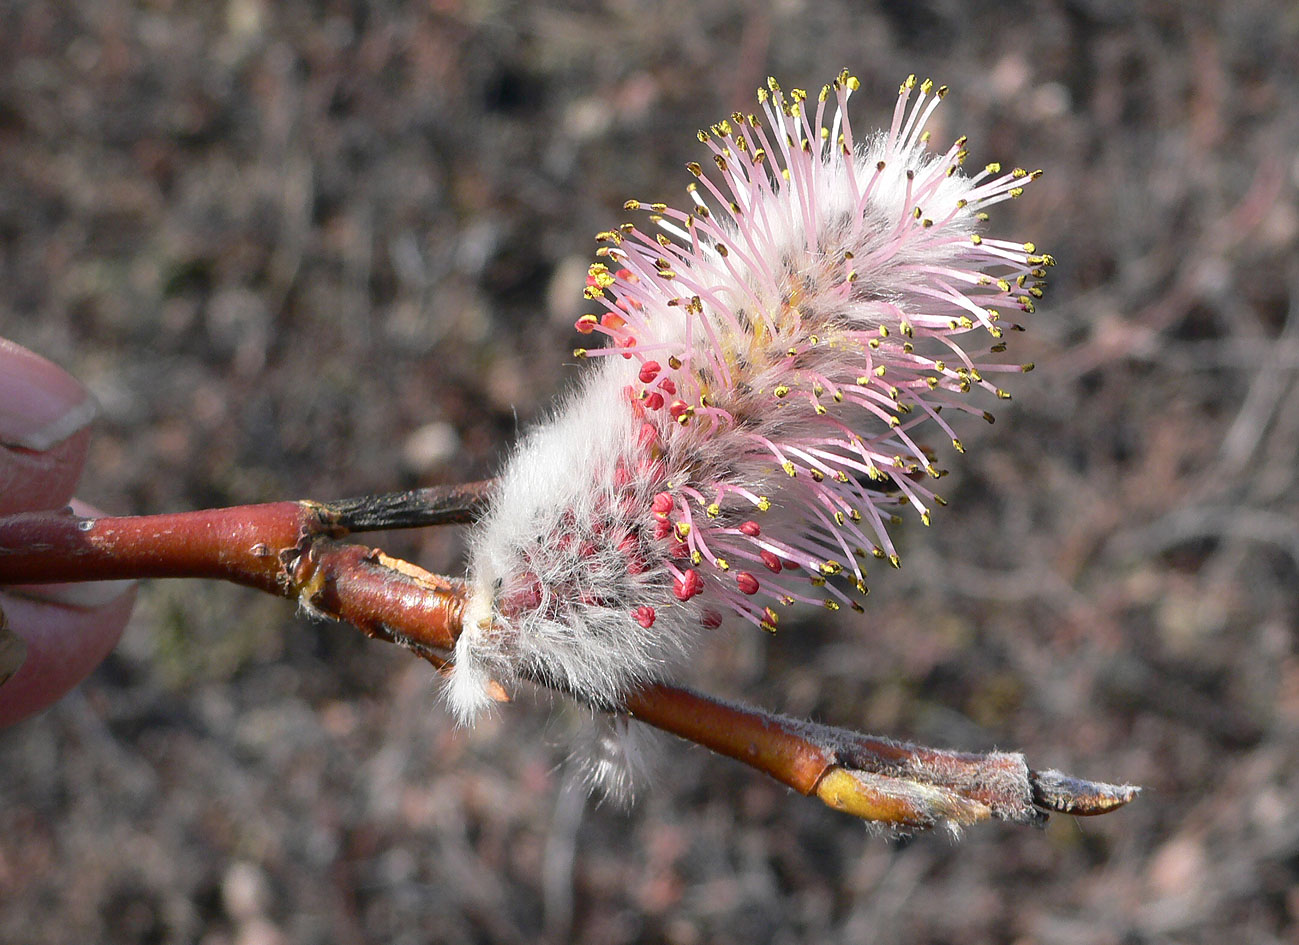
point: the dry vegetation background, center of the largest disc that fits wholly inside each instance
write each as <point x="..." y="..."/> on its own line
<point x="323" y="249"/>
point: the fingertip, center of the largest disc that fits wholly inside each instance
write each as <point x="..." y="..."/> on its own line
<point x="41" y="405"/>
<point x="63" y="645"/>
<point x="31" y="481"/>
<point x="45" y="416"/>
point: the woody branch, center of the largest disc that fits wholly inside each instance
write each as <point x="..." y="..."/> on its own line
<point x="294" y="550"/>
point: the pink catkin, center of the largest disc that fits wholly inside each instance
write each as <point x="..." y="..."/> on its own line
<point x="780" y="343"/>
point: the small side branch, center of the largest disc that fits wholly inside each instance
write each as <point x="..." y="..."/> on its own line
<point x="436" y="505"/>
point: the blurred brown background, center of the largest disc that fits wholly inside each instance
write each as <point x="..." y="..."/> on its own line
<point x="324" y="249"/>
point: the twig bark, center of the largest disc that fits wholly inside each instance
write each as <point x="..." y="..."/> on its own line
<point x="293" y="549"/>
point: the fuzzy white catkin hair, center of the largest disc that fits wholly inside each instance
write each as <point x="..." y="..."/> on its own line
<point x="745" y="438"/>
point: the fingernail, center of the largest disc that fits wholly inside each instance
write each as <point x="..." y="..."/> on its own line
<point x="40" y="404"/>
<point x="12" y="653"/>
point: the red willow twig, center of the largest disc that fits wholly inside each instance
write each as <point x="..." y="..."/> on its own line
<point x="294" y="549"/>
